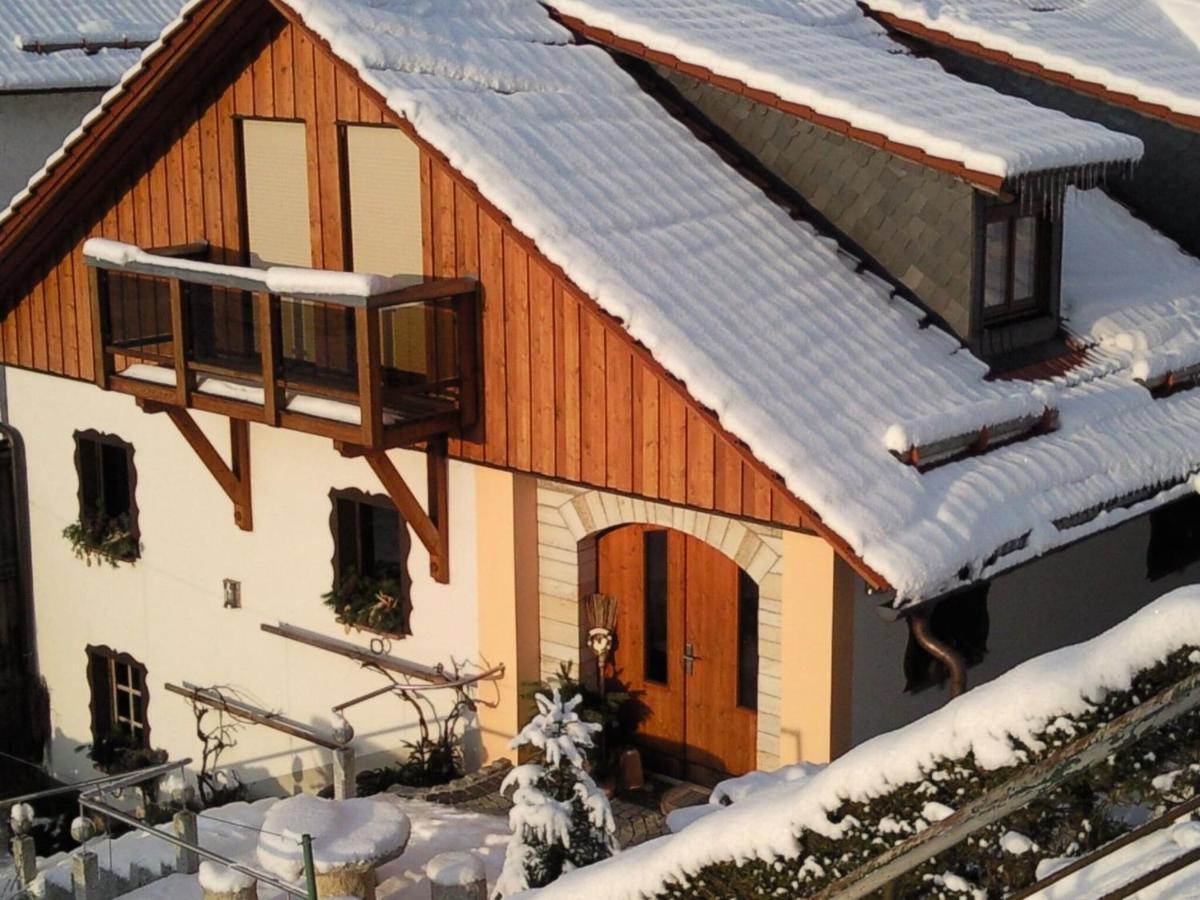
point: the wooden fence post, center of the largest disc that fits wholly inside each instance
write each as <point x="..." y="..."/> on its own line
<point x="25" y="859"/>
<point x="343" y="773"/>
<point x="187" y="861"/>
<point x="85" y="875"/>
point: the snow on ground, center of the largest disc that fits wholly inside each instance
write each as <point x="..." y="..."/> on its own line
<point x="232" y="831"/>
<point x="827" y="56"/>
<point x="1147" y="48"/>
<point x="27" y="23"/>
<point x="751" y="309"/>
<point x="1018" y="705"/>
<point x="1129" y="863"/>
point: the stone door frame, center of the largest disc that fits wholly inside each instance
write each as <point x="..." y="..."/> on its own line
<point x="570" y="518"/>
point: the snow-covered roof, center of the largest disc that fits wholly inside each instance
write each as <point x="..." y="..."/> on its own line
<point x="992" y="722"/>
<point x="31" y="31"/>
<point x="809" y="362"/>
<point x="827" y="56"/>
<point x="1149" y="49"/>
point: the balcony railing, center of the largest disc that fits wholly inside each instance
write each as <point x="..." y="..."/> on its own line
<point x="376" y="362"/>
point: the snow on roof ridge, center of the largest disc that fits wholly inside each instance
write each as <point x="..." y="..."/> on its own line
<point x="1148" y="70"/>
<point x="1015" y="707"/>
<point x="909" y="101"/>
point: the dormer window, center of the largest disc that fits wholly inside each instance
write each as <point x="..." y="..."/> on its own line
<point x="1016" y="281"/>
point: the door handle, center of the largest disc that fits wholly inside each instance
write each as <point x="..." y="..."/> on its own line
<point x="689" y="658"/>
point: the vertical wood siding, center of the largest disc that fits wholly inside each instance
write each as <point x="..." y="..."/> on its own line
<point x="567" y="393"/>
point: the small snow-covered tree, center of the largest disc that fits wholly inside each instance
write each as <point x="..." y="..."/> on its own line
<point x="560" y="819"/>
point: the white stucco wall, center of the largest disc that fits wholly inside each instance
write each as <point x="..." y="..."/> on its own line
<point x="167" y="610"/>
<point x="32" y="126"/>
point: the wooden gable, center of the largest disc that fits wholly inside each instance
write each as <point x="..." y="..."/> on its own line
<point x="568" y="394"/>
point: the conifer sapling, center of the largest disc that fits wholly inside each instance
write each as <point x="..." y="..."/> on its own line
<point x="560" y="819"/>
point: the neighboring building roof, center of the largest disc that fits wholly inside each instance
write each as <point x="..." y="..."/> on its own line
<point x="75" y="44"/>
<point x="812" y="364"/>
<point x="1140" y="53"/>
<point x="825" y="60"/>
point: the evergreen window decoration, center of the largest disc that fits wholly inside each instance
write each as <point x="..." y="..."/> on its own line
<point x="371" y="585"/>
<point x="107" y="527"/>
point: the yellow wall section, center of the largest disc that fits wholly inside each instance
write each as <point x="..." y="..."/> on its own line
<point x="508" y="602"/>
<point x="817" y="642"/>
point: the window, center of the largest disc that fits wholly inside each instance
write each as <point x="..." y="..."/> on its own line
<point x="107" y="506"/>
<point x="1016" y="264"/>
<point x="657" y="605"/>
<point x="371" y="547"/>
<point x="962" y="623"/>
<point x="747" y="641"/>
<point x="119" y="698"/>
<point x="382" y="190"/>
<point x="1174" y="538"/>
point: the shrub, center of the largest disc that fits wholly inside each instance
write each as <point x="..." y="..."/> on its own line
<point x="376" y="601"/>
<point x="1158" y="771"/>
<point x="101" y="538"/>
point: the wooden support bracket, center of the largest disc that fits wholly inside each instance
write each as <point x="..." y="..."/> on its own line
<point x="431" y="528"/>
<point x="235" y="479"/>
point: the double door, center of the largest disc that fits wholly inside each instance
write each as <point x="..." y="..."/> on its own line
<point x="687" y="649"/>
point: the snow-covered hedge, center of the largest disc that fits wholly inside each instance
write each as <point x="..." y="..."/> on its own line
<point x="798" y="837"/>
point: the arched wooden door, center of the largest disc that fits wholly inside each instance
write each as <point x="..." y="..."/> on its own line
<point x="687" y="648"/>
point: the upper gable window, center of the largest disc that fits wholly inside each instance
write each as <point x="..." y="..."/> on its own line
<point x="275" y="182"/>
<point x="1016" y="278"/>
<point x="383" y="197"/>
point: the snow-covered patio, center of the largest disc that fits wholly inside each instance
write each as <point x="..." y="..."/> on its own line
<point x="233" y="831"/>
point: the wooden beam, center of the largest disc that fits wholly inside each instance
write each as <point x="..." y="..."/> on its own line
<point x="370" y="376"/>
<point x="185" y="379"/>
<point x="234" y="479"/>
<point x="101" y="326"/>
<point x="430" y="528"/>
<point x="270" y="344"/>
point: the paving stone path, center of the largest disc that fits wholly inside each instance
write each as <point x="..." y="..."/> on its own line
<point x="637" y="815"/>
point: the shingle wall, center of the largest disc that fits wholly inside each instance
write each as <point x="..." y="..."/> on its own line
<point x="1165" y="184"/>
<point x="916" y="222"/>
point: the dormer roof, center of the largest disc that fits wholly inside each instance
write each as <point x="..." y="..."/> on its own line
<point x="828" y="63"/>
<point x="1143" y="54"/>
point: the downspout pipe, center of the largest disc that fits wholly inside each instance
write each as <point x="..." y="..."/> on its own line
<point x="918" y="626"/>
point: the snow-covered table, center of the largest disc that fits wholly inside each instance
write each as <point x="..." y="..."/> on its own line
<point x="349" y="839"/>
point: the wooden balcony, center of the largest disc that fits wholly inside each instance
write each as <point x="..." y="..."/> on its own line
<point x="372" y="363"/>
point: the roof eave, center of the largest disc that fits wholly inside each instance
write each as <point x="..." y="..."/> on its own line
<point x="945" y="39"/>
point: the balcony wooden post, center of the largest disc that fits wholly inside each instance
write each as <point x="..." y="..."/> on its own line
<point x="370" y="377"/>
<point x="185" y="380"/>
<point x="269" y="342"/>
<point x="437" y="463"/>
<point x="467" y="320"/>
<point x="101" y="326"/>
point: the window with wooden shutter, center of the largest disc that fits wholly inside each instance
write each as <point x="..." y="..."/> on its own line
<point x="383" y="193"/>
<point x="278" y="228"/>
<point x="107" y="478"/>
<point x="119" y="699"/>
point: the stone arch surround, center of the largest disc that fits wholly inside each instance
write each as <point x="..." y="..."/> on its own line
<point x="570" y="518"/>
